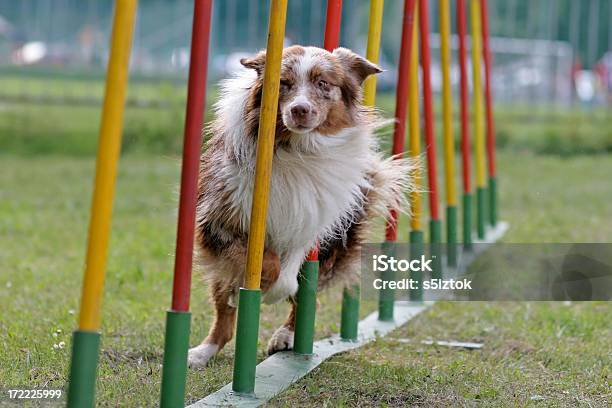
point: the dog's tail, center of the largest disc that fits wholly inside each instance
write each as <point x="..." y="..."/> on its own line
<point x="392" y="181"/>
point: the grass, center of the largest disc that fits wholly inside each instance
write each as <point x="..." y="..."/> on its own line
<point x="44" y="214"/>
<point x="547" y="354"/>
<point x="33" y="123"/>
<point x="20" y="84"/>
<point x="552" y="190"/>
<point x="535" y="353"/>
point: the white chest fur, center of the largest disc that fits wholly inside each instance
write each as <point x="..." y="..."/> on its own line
<point x="312" y="193"/>
<point x="316" y="186"/>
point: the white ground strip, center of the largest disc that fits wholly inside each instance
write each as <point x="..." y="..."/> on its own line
<point x="276" y="373"/>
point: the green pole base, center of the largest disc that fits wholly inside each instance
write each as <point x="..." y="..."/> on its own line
<point x="481" y="207"/>
<point x="435" y="237"/>
<point x="416" y="250"/>
<point x="349" y="323"/>
<point x="493" y="201"/>
<point x="83" y="369"/>
<point x="451" y="236"/>
<point x="176" y="346"/>
<point x="306" y="307"/>
<point x="467" y="221"/>
<point x="386" y="299"/>
<point x="245" y="359"/>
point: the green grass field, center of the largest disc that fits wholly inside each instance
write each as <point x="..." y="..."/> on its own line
<point x="548" y="354"/>
<point x="553" y="188"/>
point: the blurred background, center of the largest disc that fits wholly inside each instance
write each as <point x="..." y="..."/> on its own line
<point x="551" y="57"/>
<point x="553" y="120"/>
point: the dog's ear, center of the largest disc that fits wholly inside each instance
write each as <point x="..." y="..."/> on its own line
<point x="257" y="62"/>
<point x="355" y="64"/>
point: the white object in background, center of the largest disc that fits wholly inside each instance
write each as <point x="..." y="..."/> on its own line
<point x="585" y="85"/>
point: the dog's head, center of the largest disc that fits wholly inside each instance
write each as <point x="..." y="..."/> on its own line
<point x="319" y="90"/>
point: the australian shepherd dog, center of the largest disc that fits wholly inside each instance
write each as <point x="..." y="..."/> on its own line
<point x="328" y="182"/>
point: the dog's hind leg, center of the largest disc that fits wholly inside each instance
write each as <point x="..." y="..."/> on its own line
<point x="221" y="330"/>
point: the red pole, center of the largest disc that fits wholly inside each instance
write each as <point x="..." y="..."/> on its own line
<point x="330" y="42"/>
<point x="192" y="144"/>
<point x="488" y="102"/>
<point x="332" y="25"/>
<point x="463" y="87"/>
<point x="428" y="110"/>
<point x="401" y="103"/>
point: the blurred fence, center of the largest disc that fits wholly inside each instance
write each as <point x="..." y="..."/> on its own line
<point x="537" y="46"/>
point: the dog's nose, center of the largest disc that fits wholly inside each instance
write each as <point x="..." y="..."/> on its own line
<point x="299" y="110"/>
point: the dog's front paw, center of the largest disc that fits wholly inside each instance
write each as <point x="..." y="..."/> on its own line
<point x="199" y="356"/>
<point x="281" y="340"/>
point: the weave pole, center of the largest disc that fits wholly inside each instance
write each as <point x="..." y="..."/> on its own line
<point x="178" y="318"/>
<point x="350" y="298"/>
<point x="306" y="308"/>
<point x="414" y="131"/>
<point x="435" y="225"/>
<point x="387" y="300"/>
<point x="489" y="116"/>
<point x="373" y="49"/>
<point x="309" y="273"/>
<point x="332" y="25"/>
<point x="249" y="301"/>
<point x="464" y="119"/>
<point x="479" y="142"/>
<point x="86" y="339"/>
<point x="449" y="138"/>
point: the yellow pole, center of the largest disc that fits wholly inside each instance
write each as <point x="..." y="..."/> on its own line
<point x="374" y="32"/>
<point x="449" y="141"/>
<point x="479" y="134"/>
<point x="350" y="300"/>
<point x="478" y="102"/>
<point x="414" y="126"/>
<point x="249" y="300"/>
<point x="106" y="165"/>
<point x="265" y="144"/>
<point x="447" y="109"/>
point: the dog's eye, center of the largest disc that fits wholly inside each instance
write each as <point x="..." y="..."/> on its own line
<point x="285" y="85"/>
<point x="322" y="84"/>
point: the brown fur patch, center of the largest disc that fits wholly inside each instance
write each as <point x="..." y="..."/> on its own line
<point x="338" y="118"/>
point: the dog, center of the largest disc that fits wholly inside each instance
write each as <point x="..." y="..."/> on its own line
<point x="328" y="182"/>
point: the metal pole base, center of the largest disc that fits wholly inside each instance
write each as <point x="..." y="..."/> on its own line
<point x="481" y="207"/>
<point x="83" y="369"/>
<point x="416" y="250"/>
<point x="467" y="221"/>
<point x="493" y="201"/>
<point x="435" y="237"/>
<point x="451" y="236"/>
<point x="176" y="346"/>
<point x="349" y="323"/>
<point x="386" y="300"/>
<point x="306" y="307"/>
<point x="245" y="359"/>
